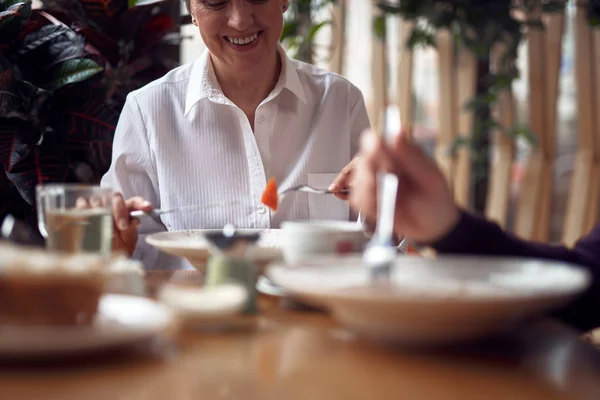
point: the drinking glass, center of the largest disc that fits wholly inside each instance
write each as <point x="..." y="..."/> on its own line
<point x="75" y="218"/>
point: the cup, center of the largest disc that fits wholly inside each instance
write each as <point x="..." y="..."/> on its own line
<point x="302" y="240"/>
<point x="75" y="218"/>
<point x="231" y="262"/>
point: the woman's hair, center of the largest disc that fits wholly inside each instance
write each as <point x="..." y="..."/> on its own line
<point x="187" y="6"/>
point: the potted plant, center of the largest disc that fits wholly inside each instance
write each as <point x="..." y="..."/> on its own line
<point x="301" y="26"/>
<point x="478" y="26"/>
<point x="128" y="38"/>
<point x="42" y="70"/>
<point x="65" y="71"/>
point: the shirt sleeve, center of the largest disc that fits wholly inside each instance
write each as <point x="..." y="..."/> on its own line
<point x="475" y="235"/>
<point x="132" y="172"/>
<point x="359" y="119"/>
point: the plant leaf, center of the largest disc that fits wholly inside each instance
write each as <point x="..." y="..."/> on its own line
<point x="101" y="10"/>
<point x="72" y="71"/>
<point x="593" y="11"/>
<point x="131" y="22"/>
<point x="12" y="19"/>
<point x="390" y="8"/>
<point x="105" y="44"/>
<point x="46" y="163"/>
<point x="457" y="143"/>
<point x="289" y="29"/>
<point x="151" y="34"/>
<point x="551" y="6"/>
<point x="17" y="140"/>
<point x="379" y="26"/>
<point x="51" y="45"/>
<point x="45" y="49"/>
<point x="20" y="99"/>
<point x="314" y="29"/>
<point x="86" y="127"/>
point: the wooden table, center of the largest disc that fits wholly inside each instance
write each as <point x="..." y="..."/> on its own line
<point x="306" y="356"/>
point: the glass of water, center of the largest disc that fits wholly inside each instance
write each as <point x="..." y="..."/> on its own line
<point x="75" y="218"/>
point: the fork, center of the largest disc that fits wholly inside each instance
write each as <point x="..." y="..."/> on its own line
<point x="155" y="214"/>
<point x="380" y="252"/>
<point x="310" y="189"/>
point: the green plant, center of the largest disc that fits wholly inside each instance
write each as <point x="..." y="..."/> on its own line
<point x="127" y="39"/>
<point x="65" y="71"/>
<point x="594" y="13"/>
<point x="478" y="25"/>
<point x="301" y="25"/>
<point x="42" y="69"/>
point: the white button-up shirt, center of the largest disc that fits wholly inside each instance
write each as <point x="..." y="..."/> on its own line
<point x="181" y="142"/>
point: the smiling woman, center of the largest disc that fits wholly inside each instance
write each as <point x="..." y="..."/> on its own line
<point x="212" y="131"/>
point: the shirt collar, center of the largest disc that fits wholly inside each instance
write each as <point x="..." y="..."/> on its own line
<point x="203" y="81"/>
<point x="289" y="77"/>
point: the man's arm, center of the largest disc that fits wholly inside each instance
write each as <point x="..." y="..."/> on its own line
<point x="475" y="235"/>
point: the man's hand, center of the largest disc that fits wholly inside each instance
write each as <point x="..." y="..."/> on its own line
<point x="425" y="209"/>
<point x="343" y="181"/>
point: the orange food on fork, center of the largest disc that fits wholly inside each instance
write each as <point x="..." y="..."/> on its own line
<point x="412" y="250"/>
<point x="270" y="197"/>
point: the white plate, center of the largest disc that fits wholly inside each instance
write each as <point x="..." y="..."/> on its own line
<point x="265" y="286"/>
<point x="121" y="320"/>
<point x="434" y="301"/>
<point x="194" y="247"/>
<point x="215" y="307"/>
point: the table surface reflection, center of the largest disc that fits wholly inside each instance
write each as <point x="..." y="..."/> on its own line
<point x="283" y="354"/>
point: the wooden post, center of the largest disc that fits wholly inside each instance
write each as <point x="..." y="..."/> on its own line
<point x="503" y="152"/>
<point x="404" y="75"/>
<point x="555" y="28"/>
<point x="531" y="188"/>
<point x="594" y="203"/>
<point x="378" y="72"/>
<point x="447" y="99"/>
<point x="338" y="37"/>
<point x="466" y="71"/>
<point x="584" y="183"/>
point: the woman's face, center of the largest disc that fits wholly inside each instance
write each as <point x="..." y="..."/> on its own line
<point x="240" y="33"/>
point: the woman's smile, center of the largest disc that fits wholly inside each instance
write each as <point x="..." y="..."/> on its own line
<point x="244" y="42"/>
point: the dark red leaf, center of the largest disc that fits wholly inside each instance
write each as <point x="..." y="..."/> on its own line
<point x="43" y="49"/>
<point x="104" y="8"/>
<point x="86" y="126"/>
<point x="8" y="136"/>
<point x="106" y="45"/>
<point x="160" y="23"/>
<point x="133" y="20"/>
<point x="12" y="203"/>
<point x="30" y="26"/>
<point x="17" y="140"/>
<point x="67" y="11"/>
<point x="11" y="21"/>
<point x="20" y="100"/>
<point x="46" y="163"/>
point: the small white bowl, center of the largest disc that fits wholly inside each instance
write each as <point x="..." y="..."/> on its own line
<point x="194" y="246"/>
<point x="302" y="240"/>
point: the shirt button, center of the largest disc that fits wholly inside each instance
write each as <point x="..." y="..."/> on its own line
<point x="262" y="210"/>
<point x="261" y="119"/>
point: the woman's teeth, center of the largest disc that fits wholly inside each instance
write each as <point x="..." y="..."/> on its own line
<point x="242" y="41"/>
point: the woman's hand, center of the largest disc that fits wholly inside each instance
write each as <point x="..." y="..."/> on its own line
<point x="425" y="209"/>
<point x="125" y="231"/>
<point x="343" y="181"/>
